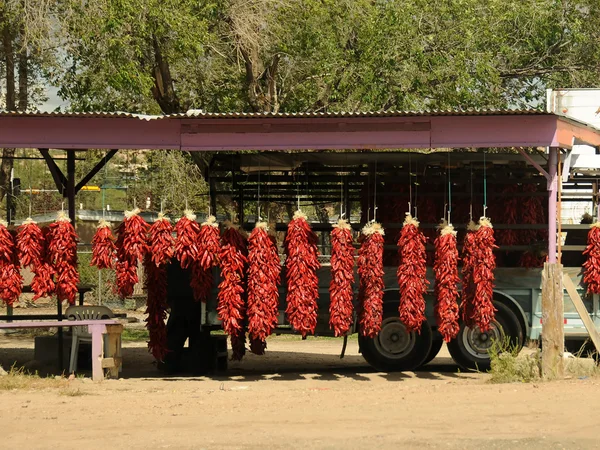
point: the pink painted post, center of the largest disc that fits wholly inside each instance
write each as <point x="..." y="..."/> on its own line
<point x="97" y="330"/>
<point x="552" y="191"/>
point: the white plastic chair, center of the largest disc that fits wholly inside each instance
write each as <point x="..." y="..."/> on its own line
<point x="81" y="334"/>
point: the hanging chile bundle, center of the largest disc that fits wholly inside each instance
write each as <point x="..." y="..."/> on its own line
<point x="469" y="262"/>
<point x="412" y="272"/>
<point x="511" y="207"/>
<point x="186" y="244"/>
<point x="209" y="245"/>
<point x="301" y="265"/>
<point x="591" y="267"/>
<point x="43" y="284"/>
<point x="30" y="244"/>
<point x="231" y="307"/>
<point x="445" y="268"/>
<point x="161" y="249"/>
<point x="156" y="307"/>
<point x="370" y="273"/>
<point x="31" y="250"/>
<point x="161" y="241"/>
<point x="62" y="252"/>
<point x="131" y="246"/>
<point x="264" y="269"/>
<point x="483" y="275"/>
<point x="532" y="214"/>
<point x="11" y="282"/>
<point x="103" y="246"/>
<point x="342" y="278"/>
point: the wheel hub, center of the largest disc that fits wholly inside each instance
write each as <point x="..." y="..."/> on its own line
<point x="393" y="339"/>
<point x="478" y="343"/>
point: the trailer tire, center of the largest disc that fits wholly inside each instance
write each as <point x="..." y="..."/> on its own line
<point x="436" y="346"/>
<point x="395" y="350"/>
<point x="469" y="349"/>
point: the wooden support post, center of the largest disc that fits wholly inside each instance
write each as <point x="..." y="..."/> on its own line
<point x="553" y="333"/>
<point x="113" y="360"/>
<point x="582" y="311"/>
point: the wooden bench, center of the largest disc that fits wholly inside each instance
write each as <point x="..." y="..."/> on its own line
<point x="97" y="328"/>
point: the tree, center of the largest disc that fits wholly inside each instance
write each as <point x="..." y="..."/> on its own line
<point x="27" y="51"/>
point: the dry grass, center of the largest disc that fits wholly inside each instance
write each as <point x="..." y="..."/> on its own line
<point x="19" y="379"/>
<point x="508" y="365"/>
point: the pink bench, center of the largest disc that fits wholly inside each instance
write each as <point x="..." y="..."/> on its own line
<point x="97" y="328"/>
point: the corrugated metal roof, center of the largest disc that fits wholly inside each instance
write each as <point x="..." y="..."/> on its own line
<point x="241" y="115"/>
<point x="457" y="112"/>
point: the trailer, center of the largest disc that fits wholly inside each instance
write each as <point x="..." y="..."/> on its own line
<point x="335" y="179"/>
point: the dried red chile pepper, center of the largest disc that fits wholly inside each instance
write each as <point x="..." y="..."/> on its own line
<point x="412" y="275"/>
<point x="186" y="244"/>
<point x="264" y="269"/>
<point x="43" y="284"/>
<point x="62" y="253"/>
<point x="156" y="307"/>
<point x="591" y="267"/>
<point x="132" y="247"/>
<point x="483" y="275"/>
<point x="209" y="245"/>
<point x="301" y="265"/>
<point x="11" y="282"/>
<point x="30" y="244"/>
<point x="370" y="273"/>
<point x="103" y="247"/>
<point x="445" y="268"/>
<point x="161" y="241"/>
<point x="532" y="214"/>
<point x="231" y="298"/>
<point x="341" y="292"/>
<point x="468" y="286"/>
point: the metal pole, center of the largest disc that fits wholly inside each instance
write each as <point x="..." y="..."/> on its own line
<point x="552" y="191"/>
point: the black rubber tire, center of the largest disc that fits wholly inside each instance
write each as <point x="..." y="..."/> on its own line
<point x="511" y="328"/>
<point x="436" y="346"/>
<point x="373" y="352"/>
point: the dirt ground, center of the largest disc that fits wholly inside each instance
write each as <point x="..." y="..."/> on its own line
<point x="299" y="395"/>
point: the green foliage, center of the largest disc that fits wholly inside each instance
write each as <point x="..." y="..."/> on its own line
<point x="507" y="366"/>
<point x="298" y="55"/>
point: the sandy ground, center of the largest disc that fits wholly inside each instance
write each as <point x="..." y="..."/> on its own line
<point x="299" y="395"/>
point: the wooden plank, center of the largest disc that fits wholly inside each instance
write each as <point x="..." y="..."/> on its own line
<point x="97" y="330"/>
<point x="582" y="311"/>
<point x="553" y="333"/>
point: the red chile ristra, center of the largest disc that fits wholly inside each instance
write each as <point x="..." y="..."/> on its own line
<point x="31" y="249"/>
<point x="132" y="247"/>
<point x="468" y="287"/>
<point x="186" y="244"/>
<point x="483" y="275"/>
<point x="342" y="278"/>
<point x="30" y="244"/>
<point x="412" y="272"/>
<point x="11" y="281"/>
<point x="446" y="283"/>
<point x="62" y="252"/>
<point x="209" y="245"/>
<point x="264" y="272"/>
<point x="161" y="241"/>
<point x="103" y="247"/>
<point x="156" y="307"/>
<point x="43" y="278"/>
<point x="231" y="298"/>
<point x="370" y="272"/>
<point x="302" y="263"/>
<point x="592" y="265"/>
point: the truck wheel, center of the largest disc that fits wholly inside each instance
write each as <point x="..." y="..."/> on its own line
<point x="394" y="349"/>
<point x="470" y="348"/>
<point x="436" y="346"/>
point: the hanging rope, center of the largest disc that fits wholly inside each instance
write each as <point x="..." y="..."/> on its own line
<point x="484" y="186"/>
